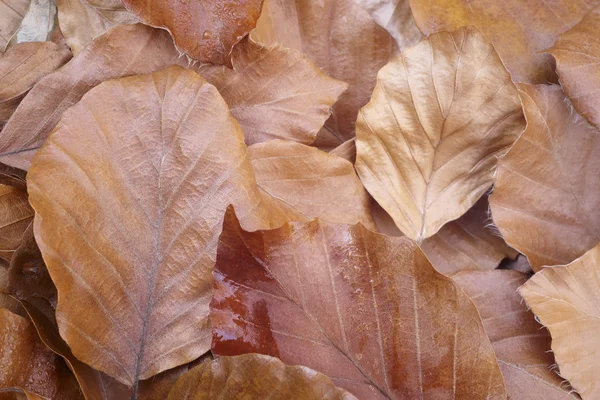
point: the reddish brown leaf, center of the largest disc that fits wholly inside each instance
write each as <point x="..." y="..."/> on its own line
<point x="366" y="309"/>
<point x="15" y="216"/>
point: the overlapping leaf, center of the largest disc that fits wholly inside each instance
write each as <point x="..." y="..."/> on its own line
<point x="519" y="30"/>
<point x="396" y="17"/>
<point x="565" y="299"/>
<point x="15" y="216"/>
<point x="366" y="309"/>
<point x="39" y="22"/>
<point x="254" y="376"/>
<point x="547" y="195"/>
<point x="11" y="15"/>
<point x="428" y="141"/>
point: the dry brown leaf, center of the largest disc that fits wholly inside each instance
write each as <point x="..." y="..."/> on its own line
<point x="38" y="24"/>
<point x="546" y="197"/>
<point x="21" y="67"/>
<point x="366" y="309"/>
<point x="519" y="30"/>
<point x="275" y="93"/>
<point x="428" y="141"/>
<point x="346" y="150"/>
<point x="565" y="299"/>
<point x="204" y="30"/>
<point x="306" y="183"/>
<point x="340" y="38"/>
<point x="577" y="54"/>
<point x="15" y="216"/>
<point x="130" y="238"/>
<point x="468" y="243"/>
<point x="521" y="344"/>
<point x="255" y="376"/>
<point x="82" y="21"/>
<point x="12" y="13"/>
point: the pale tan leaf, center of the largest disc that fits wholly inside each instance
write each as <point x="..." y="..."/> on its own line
<point x="346" y="150"/>
<point x="428" y="141"/>
<point x="39" y="22"/>
<point x="12" y="13"/>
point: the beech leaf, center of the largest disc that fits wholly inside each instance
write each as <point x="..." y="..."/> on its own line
<point x="565" y="299"/>
<point x="254" y="376"/>
<point x="365" y="309"/>
<point x="428" y="141"/>
<point x="133" y="267"/>
<point x="545" y="200"/>
<point x="12" y="13"/>
<point x="519" y="30"/>
<point x="204" y="30"/>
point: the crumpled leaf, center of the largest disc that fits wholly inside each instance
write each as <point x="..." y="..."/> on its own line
<point x="428" y="141"/>
<point x="306" y="183"/>
<point x="577" y="54"/>
<point x="396" y="17"/>
<point x="519" y="30"/>
<point x="15" y="216"/>
<point x="29" y="366"/>
<point x="366" y="309"/>
<point x="11" y="15"/>
<point x="254" y="376"/>
<point x="39" y="22"/>
<point x="275" y="93"/>
<point x="340" y="38"/>
<point x="136" y="259"/>
<point x="204" y="30"/>
<point x="82" y="21"/>
<point x="565" y="299"/>
<point x="21" y="67"/>
<point x="546" y="199"/>
<point x="468" y="243"/>
<point x="521" y="344"/>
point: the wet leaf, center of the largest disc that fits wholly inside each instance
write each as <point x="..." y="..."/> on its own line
<point x="204" y="30"/>
<point x="518" y="30"/>
<point x="428" y="141"/>
<point x="254" y="376"/>
<point x="135" y="263"/>
<point x="521" y="344"/>
<point x="545" y="200"/>
<point x="366" y="309"/>
<point x="306" y="183"/>
<point x="21" y="67"/>
<point x="15" y="216"/>
<point x="11" y="15"/>
<point x="82" y="21"/>
<point x="469" y="243"/>
<point x="565" y="299"/>
<point x="340" y="38"/>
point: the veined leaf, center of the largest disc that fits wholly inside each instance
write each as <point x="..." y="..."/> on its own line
<point x="12" y="13"/>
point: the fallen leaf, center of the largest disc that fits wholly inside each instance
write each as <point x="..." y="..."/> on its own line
<point x="15" y="216"/>
<point x="366" y="309"/>
<point x="254" y="376"/>
<point x="565" y="299"/>
<point x="520" y="264"/>
<point x="275" y="93"/>
<point x="577" y="52"/>
<point x="518" y="30"/>
<point x="521" y="344"/>
<point x="204" y="30"/>
<point x="306" y="183"/>
<point x="82" y="21"/>
<point x="39" y="22"/>
<point x="135" y="263"/>
<point x="428" y="141"/>
<point x="545" y="199"/>
<point x="21" y="67"/>
<point x="346" y="150"/>
<point x="468" y="243"/>
<point x="11" y="15"/>
<point x="340" y="38"/>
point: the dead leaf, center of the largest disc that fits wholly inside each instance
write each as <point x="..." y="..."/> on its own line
<point x="346" y="150"/>
<point x="518" y="30"/>
<point x="21" y="67"/>
<point x="306" y="183"/>
<point x="340" y="38"/>
<point x="138" y="304"/>
<point x="15" y="216"/>
<point x="366" y="309"/>
<point x="565" y="299"/>
<point x="521" y="344"/>
<point x="545" y="200"/>
<point x="275" y="93"/>
<point x="82" y="21"/>
<point x="468" y="243"/>
<point x="204" y="30"/>
<point x="428" y="141"/>
<point x="577" y="52"/>
<point x="11" y="15"/>
<point x="39" y="22"/>
<point x="254" y="376"/>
